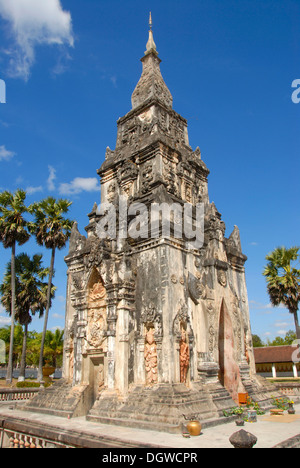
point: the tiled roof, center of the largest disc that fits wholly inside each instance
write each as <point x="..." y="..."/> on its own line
<point x="274" y="354"/>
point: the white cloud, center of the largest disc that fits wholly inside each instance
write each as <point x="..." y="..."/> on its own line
<point x="259" y="306"/>
<point x="5" y="155"/>
<point x="281" y="324"/>
<point x="32" y="190"/>
<point x="78" y="185"/>
<point x="58" y="316"/>
<point x="51" y="178"/>
<point x="4" y="320"/>
<point x="34" y="23"/>
<point x="282" y="332"/>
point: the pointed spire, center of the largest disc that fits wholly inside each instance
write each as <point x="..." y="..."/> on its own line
<point x="150" y="47"/>
<point x="151" y="85"/>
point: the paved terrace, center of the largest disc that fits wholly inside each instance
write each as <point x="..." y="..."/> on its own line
<point x="269" y="430"/>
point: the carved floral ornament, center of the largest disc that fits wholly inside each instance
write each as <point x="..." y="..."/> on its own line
<point x="181" y="320"/>
<point x="151" y="317"/>
<point x="94" y="258"/>
<point x="196" y="288"/>
<point x="78" y="281"/>
<point x="222" y="278"/>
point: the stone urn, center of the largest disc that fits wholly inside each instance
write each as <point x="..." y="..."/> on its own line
<point x="47" y="371"/>
<point x="193" y="426"/>
<point x="239" y="421"/>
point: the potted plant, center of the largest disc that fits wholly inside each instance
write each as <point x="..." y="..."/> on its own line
<point x="252" y="413"/>
<point x="239" y="411"/>
<point x="291" y="409"/>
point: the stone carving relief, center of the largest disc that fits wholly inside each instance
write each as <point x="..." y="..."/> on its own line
<point x="127" y="172"/>
<point x="152" y="318"/>
<point x="150" y="356"/>
<point x="169" y="174"/>
<point x="97" y="315"/>
<point x="147" y="177"/>
<point x="94" y="258"/>
<point x="182" y="320"/>
<point x="211" y="326"/>
<point x="222" y="278"/>
<point x="236" y="324"/>
<point x="100" y="379"/>
<point x="77" y="280"/>
<point x="77" y="241"/>
<point x="184" y="356"/>
<point x="197" y="289"/>
<point x="109" y="153"/>
<point x="111" y="192"/>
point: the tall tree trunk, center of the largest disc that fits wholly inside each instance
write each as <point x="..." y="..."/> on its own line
<point x="40" y="369"/>
<point x="295" y="312"/>
<point x="13" y="312"/>
<point x="23" y="357"/>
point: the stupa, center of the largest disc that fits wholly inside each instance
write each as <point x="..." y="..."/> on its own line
<point x="157" y="322"/>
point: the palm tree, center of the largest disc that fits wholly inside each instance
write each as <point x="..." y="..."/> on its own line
<point x="31" y="294"/>
<point x="52" y="230"/>
<point x="283" y="280"/>
<point x="13" y="230"/>
<point x="54" y="343"/>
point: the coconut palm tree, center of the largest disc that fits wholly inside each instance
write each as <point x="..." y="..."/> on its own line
<point x="51" y="230"/>
<point x="283" y="280"/>
<point x="13" y="231"/>
<point x="31" y="294"/>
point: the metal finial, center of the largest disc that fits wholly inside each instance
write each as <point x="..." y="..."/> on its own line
<point x="150" y="44"/>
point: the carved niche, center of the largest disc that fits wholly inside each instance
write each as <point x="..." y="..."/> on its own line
<point x="97" y="312"/>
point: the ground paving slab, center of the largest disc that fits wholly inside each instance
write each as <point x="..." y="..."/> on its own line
<point x="271" y="431"/>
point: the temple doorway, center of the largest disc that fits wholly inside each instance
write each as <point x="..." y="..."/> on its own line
<point x="96" y="377"/>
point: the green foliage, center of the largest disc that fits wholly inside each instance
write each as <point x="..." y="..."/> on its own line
<point x="50" y="227"/>
<point x="54" y="350"/>
<point x="27" y="384"/>
<point x="281" y="403"/>
<point x="233" y="411"/>
<point x="13" y="226"/>
<point x="30" y="288"/>
<point x="257" y="341"/>
<point x="283" y="280"/>
<point x="288" y="340"/>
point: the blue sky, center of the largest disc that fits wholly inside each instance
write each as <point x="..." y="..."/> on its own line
<point x="70" y="68"/>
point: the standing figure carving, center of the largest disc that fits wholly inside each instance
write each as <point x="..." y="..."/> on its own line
<point x="150" y="355"/>
<point x="184" y="357"/>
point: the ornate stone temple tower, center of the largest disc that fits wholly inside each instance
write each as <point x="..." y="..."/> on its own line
<point x="156" y="325"/>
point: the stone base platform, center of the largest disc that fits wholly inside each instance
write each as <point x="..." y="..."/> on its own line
<point x="161" y="408"/>
<point x="61" y="399"/>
